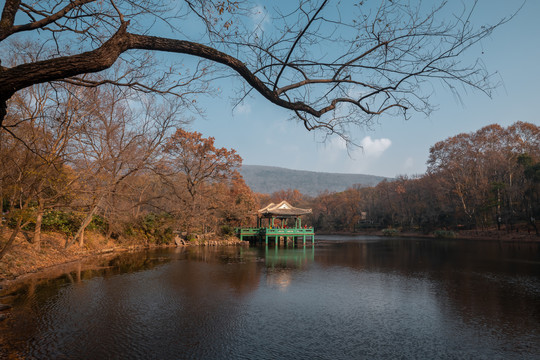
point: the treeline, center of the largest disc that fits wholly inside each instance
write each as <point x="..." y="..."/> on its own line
<point x="476" y="180"/>
<point x="117" y="162"/>
<point x="121" y="163"/>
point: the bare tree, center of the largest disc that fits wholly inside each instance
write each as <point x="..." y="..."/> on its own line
<point x="482" y="172"/>
<point x="118" y="139"/>
<point x="334" y="64"/>
<point x="41" y="126"/>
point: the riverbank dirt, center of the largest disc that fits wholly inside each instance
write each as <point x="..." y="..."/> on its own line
<point x="23" y="258"/>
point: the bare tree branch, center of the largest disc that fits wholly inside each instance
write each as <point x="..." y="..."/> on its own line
<point x="334" y="67"/>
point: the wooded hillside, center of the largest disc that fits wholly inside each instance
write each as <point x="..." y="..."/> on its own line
<point x="269" y="179"/>
<point x="482" y="180"/>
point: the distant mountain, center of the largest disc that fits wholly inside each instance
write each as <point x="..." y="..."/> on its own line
<point x="269" y="179"/>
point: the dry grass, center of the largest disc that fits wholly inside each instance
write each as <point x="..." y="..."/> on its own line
<point x="23" y="257"/>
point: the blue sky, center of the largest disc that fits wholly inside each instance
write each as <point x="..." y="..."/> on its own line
<point x="263" y="135"/>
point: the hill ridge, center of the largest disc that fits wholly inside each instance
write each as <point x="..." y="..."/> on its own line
<point x="269" y="179"/>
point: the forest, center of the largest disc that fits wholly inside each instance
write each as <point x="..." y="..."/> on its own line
<point x="486" y="179"/>
<point x="94" y="119"/>
<point x="134" y="174"/>
<point x="118" y="163"/>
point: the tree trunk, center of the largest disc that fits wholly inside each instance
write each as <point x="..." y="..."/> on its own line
<point x="11" y="239"/>
<point x="109" y="232"/>
<point x="81" y="238"/>
<point x="80" y="233"/>
<point x="39" y="220"/>
<point x="86" y="222"/>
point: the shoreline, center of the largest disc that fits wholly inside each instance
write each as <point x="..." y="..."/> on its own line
<point x="472" y="235"/>
<point x="11" y="278"/>
<point x="53" y="255"/>
<point x="23" y="260"/>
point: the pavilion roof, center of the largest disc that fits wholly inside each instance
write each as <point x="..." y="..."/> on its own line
<point x="282" y="209"/>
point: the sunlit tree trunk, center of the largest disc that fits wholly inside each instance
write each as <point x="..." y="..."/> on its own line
<point x="79" y="235"/>
<point x="11" y="239"/>
<point x="39" y="220"/>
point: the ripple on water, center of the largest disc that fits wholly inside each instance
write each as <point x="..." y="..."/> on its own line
<point x="347" y="302"/>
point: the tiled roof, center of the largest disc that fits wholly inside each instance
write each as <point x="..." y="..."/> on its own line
<point x="284" y="209"/>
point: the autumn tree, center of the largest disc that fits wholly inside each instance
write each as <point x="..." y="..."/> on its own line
<point x="472" y="179"/>
<point x="120" y="138"/>
<point x="192" y="164"/>
<point x="292" y="196"/>
<point x="225" y="205"/>
<point x="323" y="211"/>
<point x="332" y="64"/>
<point x="240" y="203"/>
<point x="482" y="170"/>
<point x="456" y="159"/>
<point x="36" y="147"/>
<point x="42" y="121"/>
<point x="18" y="179"/>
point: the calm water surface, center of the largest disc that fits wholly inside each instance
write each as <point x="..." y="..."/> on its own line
<point x="346" y="298"/>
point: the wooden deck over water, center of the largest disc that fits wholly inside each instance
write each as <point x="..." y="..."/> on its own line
<point x="269" y="233"/>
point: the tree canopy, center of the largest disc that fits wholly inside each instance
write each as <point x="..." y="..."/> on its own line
<point x="474" y="181"/>
<point x="334" y="64"/>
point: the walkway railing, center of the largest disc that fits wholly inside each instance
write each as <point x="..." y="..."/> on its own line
<point x="276" y="233"/>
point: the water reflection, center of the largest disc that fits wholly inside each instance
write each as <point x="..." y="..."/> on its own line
<point x="485" y="284"/>
<point x="343" y="298"/>
<point x="288" y="258"/>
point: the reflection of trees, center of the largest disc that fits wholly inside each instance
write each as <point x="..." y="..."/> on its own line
<point x="487" y="282"/>
<point x="199" y="297"/>
<point x="137" y="261"/>
<point x="193" y="298"/>
<point x="242" y="273"/>
<point x="34" y="299"/>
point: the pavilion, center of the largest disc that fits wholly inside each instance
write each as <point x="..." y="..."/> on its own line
<point x="279" y="221"/>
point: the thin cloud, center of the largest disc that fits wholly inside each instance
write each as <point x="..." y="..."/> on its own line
<point x="375" y="147"/>
<point x="337" y="143"/>
<point x="242" y="109"/>
<point x="409" y="164"/>
<point x="260" y="17"/>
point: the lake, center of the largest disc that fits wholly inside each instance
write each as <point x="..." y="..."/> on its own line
<point x="348" y="297"/>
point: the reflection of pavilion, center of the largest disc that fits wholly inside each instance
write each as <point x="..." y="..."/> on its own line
<point x="275" y="222"/>
<point x="288" y="258"/>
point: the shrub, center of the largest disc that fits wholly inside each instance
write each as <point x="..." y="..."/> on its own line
<point x="390" y="232"/>
<point x="446" y="234"/>
<point x="155" y="228"/>
<point x="98" y="223"/>
<point x="227" y="230"/>
<point x="61" y="221"/>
